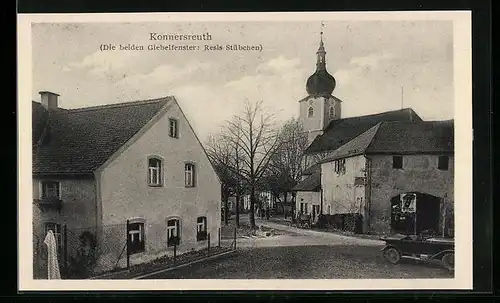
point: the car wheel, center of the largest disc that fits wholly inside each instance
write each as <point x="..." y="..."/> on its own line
<point x="392" y="255"/>
<point x="448" y="261"/>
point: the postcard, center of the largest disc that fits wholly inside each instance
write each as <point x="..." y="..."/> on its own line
<point x="245" y="151"/>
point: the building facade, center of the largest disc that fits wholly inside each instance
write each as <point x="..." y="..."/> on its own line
<point x="131" y="173"/>
<point x="327" y="131"/>
<point x="369" y="175"/>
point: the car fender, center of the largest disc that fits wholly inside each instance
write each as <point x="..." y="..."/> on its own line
<point x="387" y="246"/>
<point x="442" y="253"/>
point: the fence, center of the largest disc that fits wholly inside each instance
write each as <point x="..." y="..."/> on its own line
<point x="347" y="222"/>
<point x="86" y="252"/>
<point x="228" y="236"/>
<point x="82" y="251"/>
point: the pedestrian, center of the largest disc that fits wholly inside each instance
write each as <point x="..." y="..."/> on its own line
<point x="267" y="213"/>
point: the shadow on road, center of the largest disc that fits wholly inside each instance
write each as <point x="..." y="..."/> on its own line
<point x="307" y="262"/>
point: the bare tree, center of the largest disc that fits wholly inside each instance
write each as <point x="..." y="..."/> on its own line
<point x="220" y="153"/>
<point x="285" y="169"/>
<point x="237" y="157"/>
<point x="255" y="135"/>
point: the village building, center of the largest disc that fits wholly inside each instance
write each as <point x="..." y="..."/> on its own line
<point x="334" y="180"/>
<point x="132" y="171"/>
<point x="308" y="192"/>
<point x="370" y="174"/>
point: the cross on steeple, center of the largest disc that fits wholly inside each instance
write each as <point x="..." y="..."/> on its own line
<point x="321" y="32"/>
<point x="320" y="62"/>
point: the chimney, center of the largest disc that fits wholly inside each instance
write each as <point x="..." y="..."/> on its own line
<point x="49" y="100"/>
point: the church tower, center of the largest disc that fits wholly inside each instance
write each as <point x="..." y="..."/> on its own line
<point x="320" y="106"/>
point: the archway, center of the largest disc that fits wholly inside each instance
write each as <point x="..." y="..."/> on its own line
<point x="426" y="216"/>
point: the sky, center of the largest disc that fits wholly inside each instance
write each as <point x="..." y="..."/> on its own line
<point x="370" y="60"/>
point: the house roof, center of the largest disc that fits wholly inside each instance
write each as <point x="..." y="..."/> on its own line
<point x="311" y="169"/>
<point x="356" y="146"/>
<point x="311" y="183"/>
<point x="396" y="137"/>
<point x="341" y="131"/>
<point x="404" y="137"/>
<point x="39" y="118"/>
<point x="81" y="140"/>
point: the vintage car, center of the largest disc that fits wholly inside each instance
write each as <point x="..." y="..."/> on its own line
<point x="420" y="248"/>
<point x="304" y="220"/>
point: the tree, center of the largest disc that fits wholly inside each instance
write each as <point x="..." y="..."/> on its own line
<point x="237" y="157"/>
<point x="255" y="135"/>
<point x="219" y="150"/>
<point x="226" y="156"/>
<point x="285" y="169"/>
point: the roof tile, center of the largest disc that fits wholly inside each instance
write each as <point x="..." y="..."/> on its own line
<point x="81" y="140"/>
<point x="311" y="183"/>
<point x="342" y="131"/>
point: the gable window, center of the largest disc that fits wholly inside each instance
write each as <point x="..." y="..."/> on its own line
<point x="189" y="174"/>
<point x="154" y="172"/>
<point x="56" y="229"/>
<point x="397" y="162"/>
<point x="51" y="190"/>
<point x="201" y="228"/>
<point x="310" y="112"/>
<point x="173" y="128"/>
<point x="331" y="112"/>
<point x="443" y="162"/>
<point x="136" y="237"/>
<point x="340" y="166"/>
<point x="173" y="232"/>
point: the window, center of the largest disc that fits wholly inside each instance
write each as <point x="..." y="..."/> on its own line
<point x="340" y="166"/>
<point x="331" y="112"/>
<point x="443" y="162"/>
<point x="397" y="162"/>
<point x="201" y="228"/>
<point x="189" y="174"/>
<point x="173" y="128"/>
<point x="329" y="209"/>
<point x="173" y="232"/>
<point x="311" y="112"/>
<point x="50" y="190"/>
<point x="154" y="172"/>
<point x="135" y="237"/>
<point x="301" y="208"/>
<point x="56" y="229"/>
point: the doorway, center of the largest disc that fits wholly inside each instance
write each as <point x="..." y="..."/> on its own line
<point x="424" y="218"/>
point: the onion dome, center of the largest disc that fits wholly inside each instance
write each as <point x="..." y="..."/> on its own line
<point x="321" y="82"/>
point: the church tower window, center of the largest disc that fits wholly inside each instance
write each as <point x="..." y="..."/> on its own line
<point x="331" y="112"/>
<point x="311" y="112"/>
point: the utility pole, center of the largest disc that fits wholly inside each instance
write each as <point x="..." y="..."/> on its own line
<point x="402" y="93"/>
<point x="238" y="182"/>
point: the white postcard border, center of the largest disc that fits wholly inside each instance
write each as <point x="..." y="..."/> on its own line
<point x="463" y="157"/>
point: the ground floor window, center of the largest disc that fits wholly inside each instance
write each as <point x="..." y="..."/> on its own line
<point x="173" y="232"/>
<point x="56" y="229"/>
<point x="136" y="237"/>
<point x="201" y="228"/>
